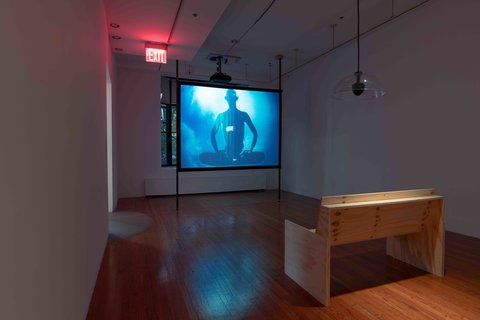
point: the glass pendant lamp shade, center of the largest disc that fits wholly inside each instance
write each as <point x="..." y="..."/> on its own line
<point x="359" y="86"/>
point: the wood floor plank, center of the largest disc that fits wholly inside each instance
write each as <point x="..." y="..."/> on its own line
<point x="220" y="256"/>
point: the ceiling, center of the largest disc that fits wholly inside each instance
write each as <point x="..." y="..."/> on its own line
<point x="143" y="21"/>
<point x="300" y="30"/>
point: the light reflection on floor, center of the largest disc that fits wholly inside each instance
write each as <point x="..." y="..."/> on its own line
<point x="221" y="276"/>
<point x="223" y="289"/>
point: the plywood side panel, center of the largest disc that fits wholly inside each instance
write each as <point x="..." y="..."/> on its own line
<point x="307" y="260"/>
<point x="426" y="249"/>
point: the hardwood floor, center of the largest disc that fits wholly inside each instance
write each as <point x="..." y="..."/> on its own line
<point x="221" y="257"/>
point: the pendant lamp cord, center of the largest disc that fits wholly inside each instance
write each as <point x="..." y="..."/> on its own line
<point x="358" y="35"/>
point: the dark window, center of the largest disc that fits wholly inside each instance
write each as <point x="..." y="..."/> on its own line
<point x="169" y="134"/>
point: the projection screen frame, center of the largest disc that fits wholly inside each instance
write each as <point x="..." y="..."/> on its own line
<point x="225" y="86"/>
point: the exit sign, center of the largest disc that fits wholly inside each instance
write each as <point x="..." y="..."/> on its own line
<point x="155" y="53"/>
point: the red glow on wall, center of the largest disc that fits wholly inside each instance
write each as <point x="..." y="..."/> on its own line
<point x="155" y="53"/>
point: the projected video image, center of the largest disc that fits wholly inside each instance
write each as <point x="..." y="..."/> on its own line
<point x="228" y="128"/>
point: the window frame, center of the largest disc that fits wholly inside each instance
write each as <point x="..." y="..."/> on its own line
<point x="169" y="129"/>
<point x="169" y="133"/>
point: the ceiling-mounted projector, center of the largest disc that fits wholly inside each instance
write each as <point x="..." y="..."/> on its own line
<point x="219" y="76"/>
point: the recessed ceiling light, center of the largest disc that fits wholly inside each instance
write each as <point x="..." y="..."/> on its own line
<point x="114" y="25"/>
<point x="116" y="37"/>
<point x="118" y="49"/>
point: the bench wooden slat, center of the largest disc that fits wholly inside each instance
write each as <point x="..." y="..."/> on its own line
<point x="329" y="200"/>
<point x="377" y="221"/>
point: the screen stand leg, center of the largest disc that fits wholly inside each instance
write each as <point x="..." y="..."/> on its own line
<point x="279" y="184"/>
<point x="176" y="189"/>
<point x="279" y="57"/>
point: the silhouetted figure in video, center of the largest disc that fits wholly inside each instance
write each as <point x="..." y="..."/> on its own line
<point x="232" y="124"/>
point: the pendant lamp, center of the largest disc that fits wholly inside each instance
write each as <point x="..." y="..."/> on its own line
<point x="359" y="85"/>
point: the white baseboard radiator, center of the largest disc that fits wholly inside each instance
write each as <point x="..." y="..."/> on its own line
<point x="206" y="182"/>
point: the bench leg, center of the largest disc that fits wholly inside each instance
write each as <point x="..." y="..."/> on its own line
<point x="425" y="249"/>
<point x="307" y="260"/>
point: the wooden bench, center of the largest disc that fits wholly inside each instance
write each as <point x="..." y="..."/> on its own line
<point x="412" y="222"/>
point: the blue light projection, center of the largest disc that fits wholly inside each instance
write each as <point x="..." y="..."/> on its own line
<point x="222" y="127"/>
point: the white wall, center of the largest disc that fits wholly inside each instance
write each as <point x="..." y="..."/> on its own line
<point x="423" y="133"/>
<point x="138" y="130"/>
<point x="112" y="64"/>
<point x="52" y="156"/>
<point x="139" y="143"/>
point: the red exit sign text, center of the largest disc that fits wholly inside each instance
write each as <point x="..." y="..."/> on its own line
<point x="155" y="55"/>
